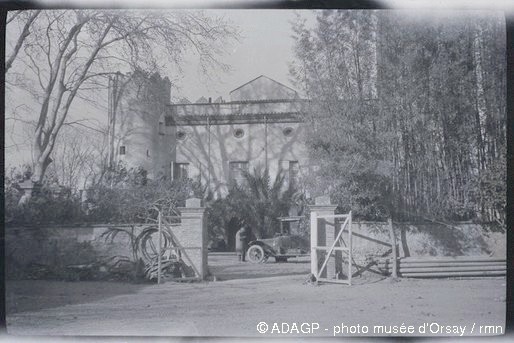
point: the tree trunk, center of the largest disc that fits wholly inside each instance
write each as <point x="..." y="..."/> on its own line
<point x="42" y="161"/>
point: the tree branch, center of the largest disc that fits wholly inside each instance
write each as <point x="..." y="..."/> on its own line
<point x="24" y="34"/>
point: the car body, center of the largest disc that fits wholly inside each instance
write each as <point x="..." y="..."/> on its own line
<point x="280" y="247"/>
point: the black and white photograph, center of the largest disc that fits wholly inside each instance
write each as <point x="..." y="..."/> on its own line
<point x="260" y="172"/>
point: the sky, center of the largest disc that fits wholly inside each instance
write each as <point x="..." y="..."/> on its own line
<point x="264" y="48"/>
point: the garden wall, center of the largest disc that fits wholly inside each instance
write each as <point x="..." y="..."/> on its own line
<point x="82" y="244"/>
<point x="372" y="240"/>
<point x="58" y="245"/>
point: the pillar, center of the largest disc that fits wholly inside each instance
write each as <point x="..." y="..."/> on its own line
<point x="193" y="234"/>
<point x="27" y="186"/>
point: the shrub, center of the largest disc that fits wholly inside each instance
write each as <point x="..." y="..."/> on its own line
<point x="128" y="196"/>
<point x="257" y="203"/>
<point x="48" y="204"/>
<point x="122" y="196"/>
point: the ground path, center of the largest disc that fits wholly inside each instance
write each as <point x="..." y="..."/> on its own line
<point x="235" y="306"/>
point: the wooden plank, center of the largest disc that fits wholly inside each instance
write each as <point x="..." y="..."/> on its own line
<point x="314" y="243"/>
<point x="325" y="248"/>
<point x="348" y="282"/>
<point x="374" y="240"/>
<point x="410" y="270"/>
<point x="393" y="245"/>
<point x="450" y="269"/>
<point x="349" y="248"/>
<point x="388" y="260"/>
<point x="452" y="264"/>
<point x="451" y="259"/>
<point x="329" y="251"/>
<point x="315" y="270"/>
<point x="333" y="216"/>
<point x="455" y="274"/>
<point x="443" y="264"/>
<point x="159" y="257"/>
<point x="449" y="264"/>
<point x="407" y="269"/>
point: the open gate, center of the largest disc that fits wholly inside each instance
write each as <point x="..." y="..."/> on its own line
<point x="323" y="254"/>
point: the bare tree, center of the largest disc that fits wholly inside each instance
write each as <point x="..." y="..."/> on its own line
<point x="69" y="51"/>
<point x="76" y="155"/>
<point x="26" y="18"/>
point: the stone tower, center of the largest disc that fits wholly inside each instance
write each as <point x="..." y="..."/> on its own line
<point x="137" y="106"/>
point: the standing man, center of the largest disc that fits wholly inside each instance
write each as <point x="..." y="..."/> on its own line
<point x="242" y="243"/>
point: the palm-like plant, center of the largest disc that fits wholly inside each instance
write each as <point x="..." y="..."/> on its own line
<point x="258" y="201"/>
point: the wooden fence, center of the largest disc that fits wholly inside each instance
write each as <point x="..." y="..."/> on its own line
<point x="444" y="266"/>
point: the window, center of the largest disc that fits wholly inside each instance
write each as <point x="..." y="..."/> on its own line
<point x="122" y="150"/>
<point x="288" y="131"/>
<point x="239" y="133"/>
<point x="237" y="170"/>
<point x="180" y="171"/>
<point x="291" y="172"/>
<point x="294" y="173"/>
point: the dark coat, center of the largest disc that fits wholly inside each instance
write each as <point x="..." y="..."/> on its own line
<point x="241" y="239"/>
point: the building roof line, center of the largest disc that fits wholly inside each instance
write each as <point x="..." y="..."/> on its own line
<point x="258" y="77"/>
<point x="241" y="102"/>
<point x="286" y="117"/>
<point x="241" y="114"/>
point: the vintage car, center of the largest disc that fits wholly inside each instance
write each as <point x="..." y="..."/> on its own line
<point x="281" y="247"/>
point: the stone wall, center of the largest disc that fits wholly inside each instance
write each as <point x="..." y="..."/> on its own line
<point x="48" y="245"/>
<point x="85" y="244"/>
<point x="371" y="239"/>
<point x="70" y="244"/>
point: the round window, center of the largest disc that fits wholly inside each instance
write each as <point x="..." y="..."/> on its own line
<point x="288" y="131"/>
<point x="181" y="135"/>
<point x="238" y="133"/>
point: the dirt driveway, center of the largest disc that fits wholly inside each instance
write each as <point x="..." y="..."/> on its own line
<point x="235" y="306"/>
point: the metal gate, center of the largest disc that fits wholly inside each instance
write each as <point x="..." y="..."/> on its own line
<point x="329" y="252"/>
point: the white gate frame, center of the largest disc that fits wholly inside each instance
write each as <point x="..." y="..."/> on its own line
<point x="338" y="239"/>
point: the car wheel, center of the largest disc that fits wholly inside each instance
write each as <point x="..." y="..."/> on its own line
<point x="255" y="254"/>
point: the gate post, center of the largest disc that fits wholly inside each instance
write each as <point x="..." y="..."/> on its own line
<point x="194" y="233"/>
<point x="322" y="234"/>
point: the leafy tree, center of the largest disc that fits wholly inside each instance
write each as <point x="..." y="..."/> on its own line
<point x="257" y="202"/>
<point x="403" y="118"/>
<point x="432" y="88"/>
<point x="335" y="67"/>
